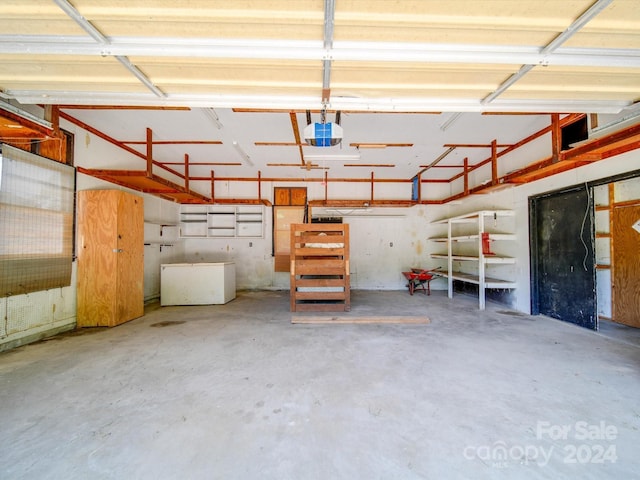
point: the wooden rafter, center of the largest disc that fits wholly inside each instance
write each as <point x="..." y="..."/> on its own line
<point x="203" y="164"/>
<point x="379" y="145"/>
<point x="121" y="107"/>
<point x="279" y="144"/>
<point x="173" y="142"/>
<point x="556" y="138"/>
<point x="372" y="165"/>
<point x="591" y="151"/>
<point x="477" y="145"/>
<point x="348" y="112"/>
<point x="113" y="141"/>
<point x="140" y="181"/>
<point x="563" y="122"/>
<point x="283" y="165"/>
<point x="296" y="134"/>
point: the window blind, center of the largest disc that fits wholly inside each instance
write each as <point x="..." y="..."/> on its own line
<point x="36" y="222"/>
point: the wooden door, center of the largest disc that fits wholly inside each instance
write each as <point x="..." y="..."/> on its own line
<point x="626" y="266"/>
<point x="283" y="218"/>
<point x="130" y="258"/>
<point x="97" y="260"/>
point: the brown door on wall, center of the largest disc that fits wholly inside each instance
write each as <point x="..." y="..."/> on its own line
<point x="283" y="218"/>
<point x="289" y="207"/>
<point x="626" y="265"/>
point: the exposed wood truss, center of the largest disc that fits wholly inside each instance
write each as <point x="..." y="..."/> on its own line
<point x="594" y="150"/>
<point x="175" y="179"/>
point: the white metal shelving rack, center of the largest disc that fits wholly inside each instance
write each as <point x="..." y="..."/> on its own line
<point x="475" y="253"/>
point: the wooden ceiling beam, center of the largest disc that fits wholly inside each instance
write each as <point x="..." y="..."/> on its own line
<point x="618" y="139"/>
<point x="562" y="123"/>
<point x="371" y="165"/>
<point x="516" y="113"/>
<point x="541" y="169"/>
<point x="595" y="150"/>
<point x="121" y="107"/>
<point x="113" y="141"/>
<point x="284" y="110"/>
<point x="435" y="180"/>
<point x="288" y="179"/>
<point x="40" y="130"/>
<point x="621" y="149"/>
<point x="379" y="145"/>
<point x="139" y="180"/>
<point x="477" y="145"/>
<point x="173" y="142"/>
<point x="556" y="137"/>
<point x="296" y="134"/>
<point x="361" y="203"/>
<point x="443" y="166"/>
<point x="201" y="164"/>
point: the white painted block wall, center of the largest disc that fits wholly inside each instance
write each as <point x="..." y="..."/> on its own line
<point x="383" y="241"/>
<point x="517" y="199"/>
<point x="26" y="318"/>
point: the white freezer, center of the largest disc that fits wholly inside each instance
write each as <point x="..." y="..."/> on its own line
<point x="197" y="283"/>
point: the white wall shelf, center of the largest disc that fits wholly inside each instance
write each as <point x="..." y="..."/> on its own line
<point x="474" y="248"/>
<point x="222" y="221"/>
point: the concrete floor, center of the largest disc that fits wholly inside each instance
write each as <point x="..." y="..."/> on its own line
<point x="236" y="391"/>
<point x="619" y="332"/>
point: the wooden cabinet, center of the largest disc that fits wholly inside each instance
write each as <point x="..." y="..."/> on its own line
<point x="299" y="196"/>
<point x="290" y="196"/>
<point x="469" y="254"/>
<point x="110" y="257"/>
<point x="281" y="196"/>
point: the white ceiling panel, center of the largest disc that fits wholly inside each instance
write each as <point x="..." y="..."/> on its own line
<point x="399" y="71"/>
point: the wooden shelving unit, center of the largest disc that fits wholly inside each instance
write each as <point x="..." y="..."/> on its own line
<point x="320" y="267"/>
<point x="472" y="246"/>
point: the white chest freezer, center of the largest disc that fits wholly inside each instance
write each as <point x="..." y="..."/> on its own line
<point x="197" y="283"/>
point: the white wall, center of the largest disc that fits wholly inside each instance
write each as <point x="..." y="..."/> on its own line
<point x="623" y="191"/>
<point x="384" y="241"/>
<point x="30" y="317"/>
<point x="160" y="215"/>
<point x="252" y="256"/>
<point x="517" y="199"/>
<point x="603" y="251"/>
<point x="375" y="263"/>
